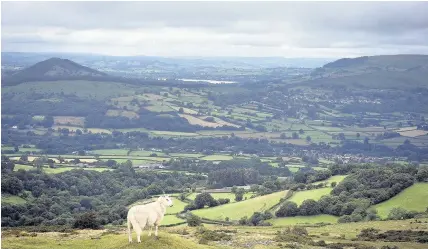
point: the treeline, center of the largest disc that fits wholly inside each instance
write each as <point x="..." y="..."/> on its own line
<point x="231" y="172"/>
<point x="57" y="199"/>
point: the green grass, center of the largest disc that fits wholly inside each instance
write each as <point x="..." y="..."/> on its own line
<point x="56" y="170"/>
<point x="217" y="158"/>
<point x="177" y="207"/>
<point x="243" y="208"/>
<point x="112" y="152"/>
<point x="186" y="155"/>
<point x="413" y="198"/>
<point x="337" y="179"/>
<point x="145" y="153"/>
<point x="216" y="196"/>
<point x="12" y="199"/>
<point x="314" y="194"/>
<point x="110" y="241"/>
<point x="170" y="220"/>
<point x="287" y="221"/>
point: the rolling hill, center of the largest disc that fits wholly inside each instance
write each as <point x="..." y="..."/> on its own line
<point x="376" y="72"/>
<point x="52" y="69"/>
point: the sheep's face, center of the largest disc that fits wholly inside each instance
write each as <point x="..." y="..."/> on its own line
<point x="167" y="200"/>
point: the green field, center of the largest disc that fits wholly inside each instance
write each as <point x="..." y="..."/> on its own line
<point x="12" y="199"/>
<point x="337" y="179"/>
<point x="217" y="158"/>
<point x="413" y="198"/>
<point x="177" y="207"/>
<point x="287" y="221"/>
<point x="170" y="220"/>
<point x="240" y="209"/>
<point x="314" y="194"/>
<point x="55" y="170"/>
<point x="112" y="152"/>
<point x="216" y="196"/>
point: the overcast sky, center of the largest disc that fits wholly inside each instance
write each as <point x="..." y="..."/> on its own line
<point x="292" y="29"/>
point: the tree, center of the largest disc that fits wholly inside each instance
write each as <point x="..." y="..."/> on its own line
<point x="204" y="199"/>
<point x="301" y="131"/>
<point x="287" y="209"/>
<point x="11" y="185"/>
<point x="309" y="207"/>
<point x="24" y="158"/>
<point x="79" y="132"/>
<point x="181" y="110"/>
<point x="358" y="135"/>
<point x="87" y="220"/>
<point x="308" y="138"/>
<point x="333" y="184"/>
<point x="422" y="175"/>
<point x="295" y="135"/>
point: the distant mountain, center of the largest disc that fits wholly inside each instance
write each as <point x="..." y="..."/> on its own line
<point x="384" y="71"/>
<point x="52" y="69"/>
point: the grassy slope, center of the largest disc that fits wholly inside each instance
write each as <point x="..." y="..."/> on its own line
<point x="216" y="196"/>
<point x="413" y="198"/>
<point x="315" y="194"/>
<point x="239" y="209"/>
<point x="111" y="241"/>
<point x="304" y="220"/>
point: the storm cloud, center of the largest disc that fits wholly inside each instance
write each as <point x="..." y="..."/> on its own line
<point x="289" y="29"/>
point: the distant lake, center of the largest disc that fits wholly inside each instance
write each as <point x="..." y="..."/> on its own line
<point x="210" y="81"/>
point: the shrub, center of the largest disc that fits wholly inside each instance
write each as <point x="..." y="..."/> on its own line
<point x="87" y="220"/>
<point x="193" y="220"/>
<point x="289" y="208"/>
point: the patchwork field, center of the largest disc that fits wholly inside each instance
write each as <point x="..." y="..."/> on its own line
<point x="240" y="209"/>
<point x="314" y="194"/>
<point x="69" y="120"/>
<point x="413" y="198"/>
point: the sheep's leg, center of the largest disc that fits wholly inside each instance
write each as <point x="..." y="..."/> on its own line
<point x="129" y="231"/>
<point x="150" y="231"/>
<point x="156" y="231"/>
<point x="138" y="230"/>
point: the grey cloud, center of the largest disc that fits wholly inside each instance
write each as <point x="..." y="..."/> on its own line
<point x="305" y="25"/>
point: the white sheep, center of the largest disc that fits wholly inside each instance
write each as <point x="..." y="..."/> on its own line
<point x="150" y="215"/>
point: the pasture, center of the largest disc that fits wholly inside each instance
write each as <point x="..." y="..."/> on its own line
<point x="336" y="178"/>
<point x="237" y="210"/>
<point x="12" y="199"/>
<point x="413" y="198"/>
<point x="69" y="120"/>
<point x="217" y="158"/>
<point x="299" y="220"/>
<point x="55" y="170"/>
<point x="230" y="196"/>
<point x="315" y="194"/>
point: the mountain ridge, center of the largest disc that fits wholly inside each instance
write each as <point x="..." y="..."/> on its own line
<point x="52" y="69"/>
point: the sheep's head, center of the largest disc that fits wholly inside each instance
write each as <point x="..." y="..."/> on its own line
<point x="166" y="200"/>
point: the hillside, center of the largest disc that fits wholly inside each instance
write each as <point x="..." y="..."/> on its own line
<point x="52" y="69"/>
<point x="385" y="71"/>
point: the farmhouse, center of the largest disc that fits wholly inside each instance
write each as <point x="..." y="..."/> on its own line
<point x="151" y="166"/>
